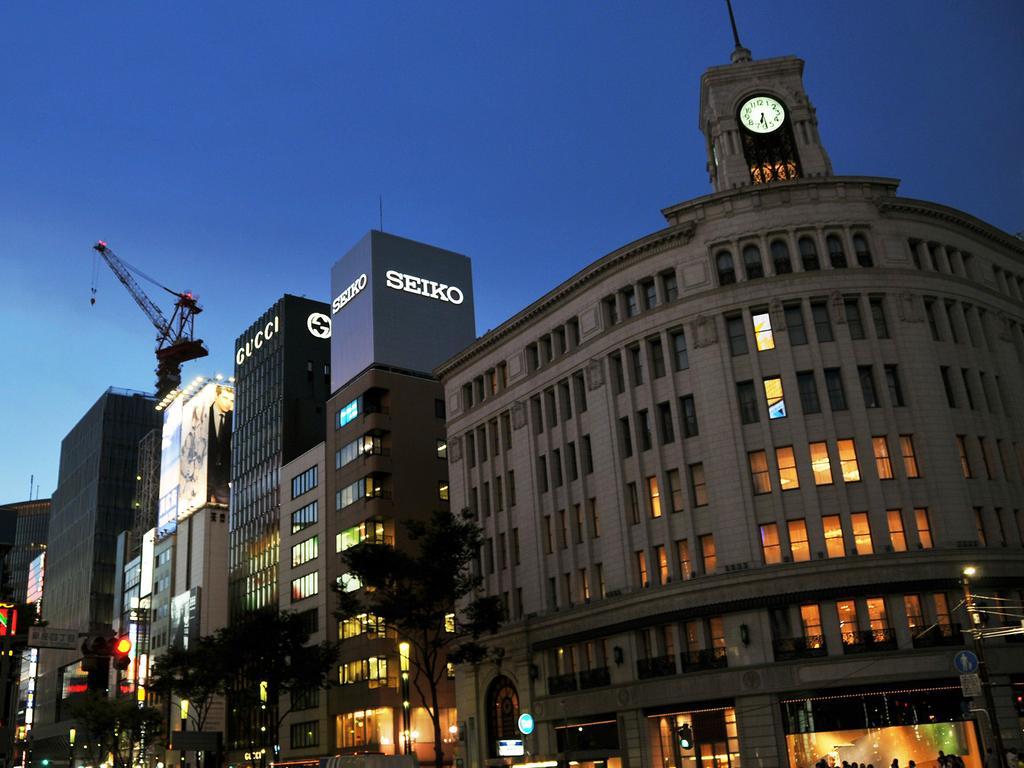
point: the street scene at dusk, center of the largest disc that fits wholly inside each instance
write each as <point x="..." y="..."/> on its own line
<point x="558" y="385"/>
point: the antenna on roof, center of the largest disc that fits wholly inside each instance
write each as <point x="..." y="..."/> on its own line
<point x="740" y="53"/>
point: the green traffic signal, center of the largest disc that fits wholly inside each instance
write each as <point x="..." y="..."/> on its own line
<point x="685" y="735"/>
<point x="46" y="762"/>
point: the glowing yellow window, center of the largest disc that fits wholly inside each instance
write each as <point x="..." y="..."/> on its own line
<point x="774" y="396"/>
<point x="763" y="332"/>
<point x="861" y="533"/>
<point x="834" y="546"/>
<point x="820" y="464"/>
<point x="799" y="547"/>
<point x="788" y="479"/>
<point x="848" y="461"/>
<point x="897" y="536"/>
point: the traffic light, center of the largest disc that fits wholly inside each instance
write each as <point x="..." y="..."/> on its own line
<point x="685" y="735"/>
<point x="121" y="652"/>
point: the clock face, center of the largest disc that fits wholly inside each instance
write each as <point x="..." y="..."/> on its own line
<point x="762" y="114"/>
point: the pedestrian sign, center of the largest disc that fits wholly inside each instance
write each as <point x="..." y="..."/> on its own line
<point x="965" y="662"/>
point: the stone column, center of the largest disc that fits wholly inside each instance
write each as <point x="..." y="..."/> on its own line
<point x="759" y="723"/>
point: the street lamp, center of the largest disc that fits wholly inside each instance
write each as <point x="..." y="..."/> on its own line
<point x="71" y="747"/>
<point x="986" y="687"/>
<point x="403" y="661"/>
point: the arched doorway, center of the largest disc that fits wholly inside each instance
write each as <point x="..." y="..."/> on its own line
<point x="502" y="712"/>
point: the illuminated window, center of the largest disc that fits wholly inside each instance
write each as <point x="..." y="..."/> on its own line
<point x="305" y="586"/>
<point x="909" y="458"/>
<point x="664" y="575"/>
<point x="654" y="496"/>
<point x="683" y="556"/>
<point x="305" y="734"/>
<point x="965" y="462"/>
<point x="924" y="527"/>
<point x="880" y="446"/>
<point x="304" y="517"/>
<point x="776" y="401"/>
<point x="362" y="624"/>
<point x="861" y="533"/>
<point x="442" y="491"/>
<point x="348" y="413"/>
<point x="799" y="546"/>
<point x="820" y="464"/>
<point x="810" y="619"/>
<point x="833" y="529"/>
<point x="847" y="612"/>
<point x="785" y="458"/>
<point x="709" y="553"/>
<point x="698" y="486"/>
<point x="848" y="461"/>
<point x="771" y="548"/>
<point x="449" y="623"/>
<point x="763" y="332"/>
<point x="369" y="531"/>
<point x="759" y="472"/>
<point x="941" y="609"/>
<point x="442" y="449"/>
<point x="641" y="568"/>
<point x="877" y="619"/>
<point x="915" y="616"/>
<point x="373" y="671"/>
<point x="897" y="536"/>
<point x="305" y="551"/>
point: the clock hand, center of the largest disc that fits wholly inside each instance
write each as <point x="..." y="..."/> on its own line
<point x="763" y="121"/>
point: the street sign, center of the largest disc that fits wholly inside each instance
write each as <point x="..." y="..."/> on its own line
<point x="510" y="748"/>
<point x="51" y="637"/>
<point x="970" y="685"/>
<point x="965" y="662"/>
<point x="526" y="723"/>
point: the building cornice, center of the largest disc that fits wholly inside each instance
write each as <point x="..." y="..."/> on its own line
<point x="911" y="207"/>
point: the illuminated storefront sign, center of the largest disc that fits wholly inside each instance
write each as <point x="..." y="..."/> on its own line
<point x="264" y="334"/>
<point x="348" y="294"/>
<point x="424" y="287"/>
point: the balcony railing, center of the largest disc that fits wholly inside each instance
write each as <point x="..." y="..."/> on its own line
<point x="940" y="634"/>
<point x="595" y="678"/>
<point x="706" y="658"/>
<point x="657" y="666"/>
<point x="562" y="683"/>
<point x="809" y="647"/>
<point x="864" y="640"/>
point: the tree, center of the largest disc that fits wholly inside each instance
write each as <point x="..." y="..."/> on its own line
<point x="415" y="592"/>
<point x="116" y="726"/>
<point x="198" y="673"/>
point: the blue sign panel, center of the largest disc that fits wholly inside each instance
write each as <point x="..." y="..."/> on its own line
<point x="526" y="723"/>
<point x="966" y="662"/>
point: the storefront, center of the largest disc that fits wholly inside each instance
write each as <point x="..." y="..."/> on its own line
<point x="590" y="743"/>
<point x="712" y="728"/>
<point x="876" y="725"/>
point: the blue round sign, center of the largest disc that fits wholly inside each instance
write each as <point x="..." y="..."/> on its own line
<point x="966" y="662"/>
<point x="526" y="723"/>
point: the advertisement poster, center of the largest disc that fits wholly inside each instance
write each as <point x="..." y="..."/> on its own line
<point x="206" y="448"/>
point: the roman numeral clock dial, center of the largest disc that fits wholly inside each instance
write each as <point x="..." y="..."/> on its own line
<point x="762" y="114"/>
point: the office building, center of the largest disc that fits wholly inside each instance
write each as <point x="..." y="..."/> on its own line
<point x="31" y="526"/>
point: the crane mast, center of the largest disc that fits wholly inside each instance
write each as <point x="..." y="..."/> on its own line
<point x="176" y="342"/>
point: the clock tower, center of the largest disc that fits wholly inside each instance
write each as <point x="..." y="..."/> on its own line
<point x="759" y="124"/>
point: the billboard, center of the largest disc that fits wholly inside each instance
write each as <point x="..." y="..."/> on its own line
<point x="184" y="618"/>
<point x="205" y="448"/>
<point x="170" y="461"/>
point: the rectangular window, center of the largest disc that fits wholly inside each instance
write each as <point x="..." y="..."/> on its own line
<point x="785" y="458"/>
<point x="771" y="548"/>
<point x="897" y="536"/>
<point x="611" y="310"/>
<point x="632" y="308"/>
<point x="861" y="533"/>
<point x="442" y="490"/>
<point x="511" y="486"/>
<point x="879" y="319"/>
<point x="979" y="524"/>
<point x="810" y="619"/>
<point x="305" y="734"/>
<point x="820" y="464"/>
<point x="799" y="546"/>
<point x="556" y="468"/>
<point x="563" y="528"/>
<point x="697" y="485"/>
<point x="759" y="476"/>
<point x="795" y="325"/>
<point x="883" y="466"/>
<point x="305" y="551"/>
<point x="650" y="294"/>
<point x="737" y="335"/>
<point x="909" y="457"/>
<point x="965" y="376"/>
<point x="654" y="496"/>
<point x="515" y="546"/>
<point x="636" y="365"/>
<point x="634" y="502"/>
<point x="595" y="518"/>
<point x="657" y="357"/>
<point x="584" y="585"/>
<point x="675" y="490"/>
<point x="588" y="456"/>
<point x="808" y="392"/>
<point x="549" y="536"/>
<point x="683" y="556"/>
<point x="965" y="461"/>
<point x="708" y="553"/>
<point x="304" y="482"/>
<point x="774" y="397"/>
<point x="848" y="628"/>
<point x="747" y="402"/>
<point x="580" y="387"/>
<point x="822" y="322"/>
<point x="643" y="429"/>
<point x="688" y="415"/>
<point x="866" y="375"/>
<point x="666" y="429"/>
<point x="853" y="319"/>
<point x="929" y="310"/>
<point x="924" y="527"/>
<point x="305" y="586"/>
<point x="915" y="616"/>
<point x="348" y="414"/>
<point x="304" y="517"/>
<point x="680" y="355"/>
<point x="641" y="568"/>
<point x="578" y="518"/>
<point x="542" y="473"/>
<point x="442" y="449"/>
<point x="660" y="556"/>
<point x="570" y="455"/>
<point x="833" y="529"/>
<point x="848" y="461"/>
<point x="877" y="620"/>
<point x="669" y="286"/>
<point x="763" y="337"/>
<point x="625" y="438"/>
<point x="834" y="385"/>
<point x="947" y="386"/>
<point x="618" y="376"/>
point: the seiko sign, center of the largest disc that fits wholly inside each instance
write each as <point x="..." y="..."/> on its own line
<point x="265" y="334"/>
<point x="348" y="294"/>
<point x="424" y="287"/>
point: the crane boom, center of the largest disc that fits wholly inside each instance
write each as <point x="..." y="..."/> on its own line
<point x="175" y="337"/>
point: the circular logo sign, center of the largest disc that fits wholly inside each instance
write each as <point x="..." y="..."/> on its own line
<point x="526" y="723"/>
<point x="319" y="325"/>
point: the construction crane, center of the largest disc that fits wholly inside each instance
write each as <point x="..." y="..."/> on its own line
<point x="175" y="341"/>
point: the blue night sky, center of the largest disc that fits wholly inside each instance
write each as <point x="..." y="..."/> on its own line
<point x="237" y="149"/>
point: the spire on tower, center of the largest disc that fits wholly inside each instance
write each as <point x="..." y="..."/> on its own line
<point x="739" y="53"/>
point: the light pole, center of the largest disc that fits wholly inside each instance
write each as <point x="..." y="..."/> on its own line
<point x="403" y="659"/>
<point x="71" y="747"/>
<point x="979" y="651"/>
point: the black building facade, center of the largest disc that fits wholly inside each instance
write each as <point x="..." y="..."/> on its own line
<point x="31" y="527"/>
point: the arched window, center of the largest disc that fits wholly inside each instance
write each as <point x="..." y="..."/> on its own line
<point x="808" y="254"/>
<point x="860" y="247"/>
<point x="752" y="262"/>
<point x="502" y="712"/>
<point x="780" y="258"/>
<point x="726" y="271"/>
<point x="836" y="254"/>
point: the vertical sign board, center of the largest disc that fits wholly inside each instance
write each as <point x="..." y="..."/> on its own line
<point x="206" y="448"/>
<point x="170" y="462"/>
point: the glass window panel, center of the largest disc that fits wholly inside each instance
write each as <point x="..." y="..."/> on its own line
<point x="786" y="459"/>
<point x="848" y="461"/>
<point x="821" y="464"/>
<point x="799" y="546"/>
<point x="763" y="332"/>
<point x="776" y="401"/>
<point x="833" y="529"/>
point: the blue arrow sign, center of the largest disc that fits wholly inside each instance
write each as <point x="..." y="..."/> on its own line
<point x="965" y="662"/>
